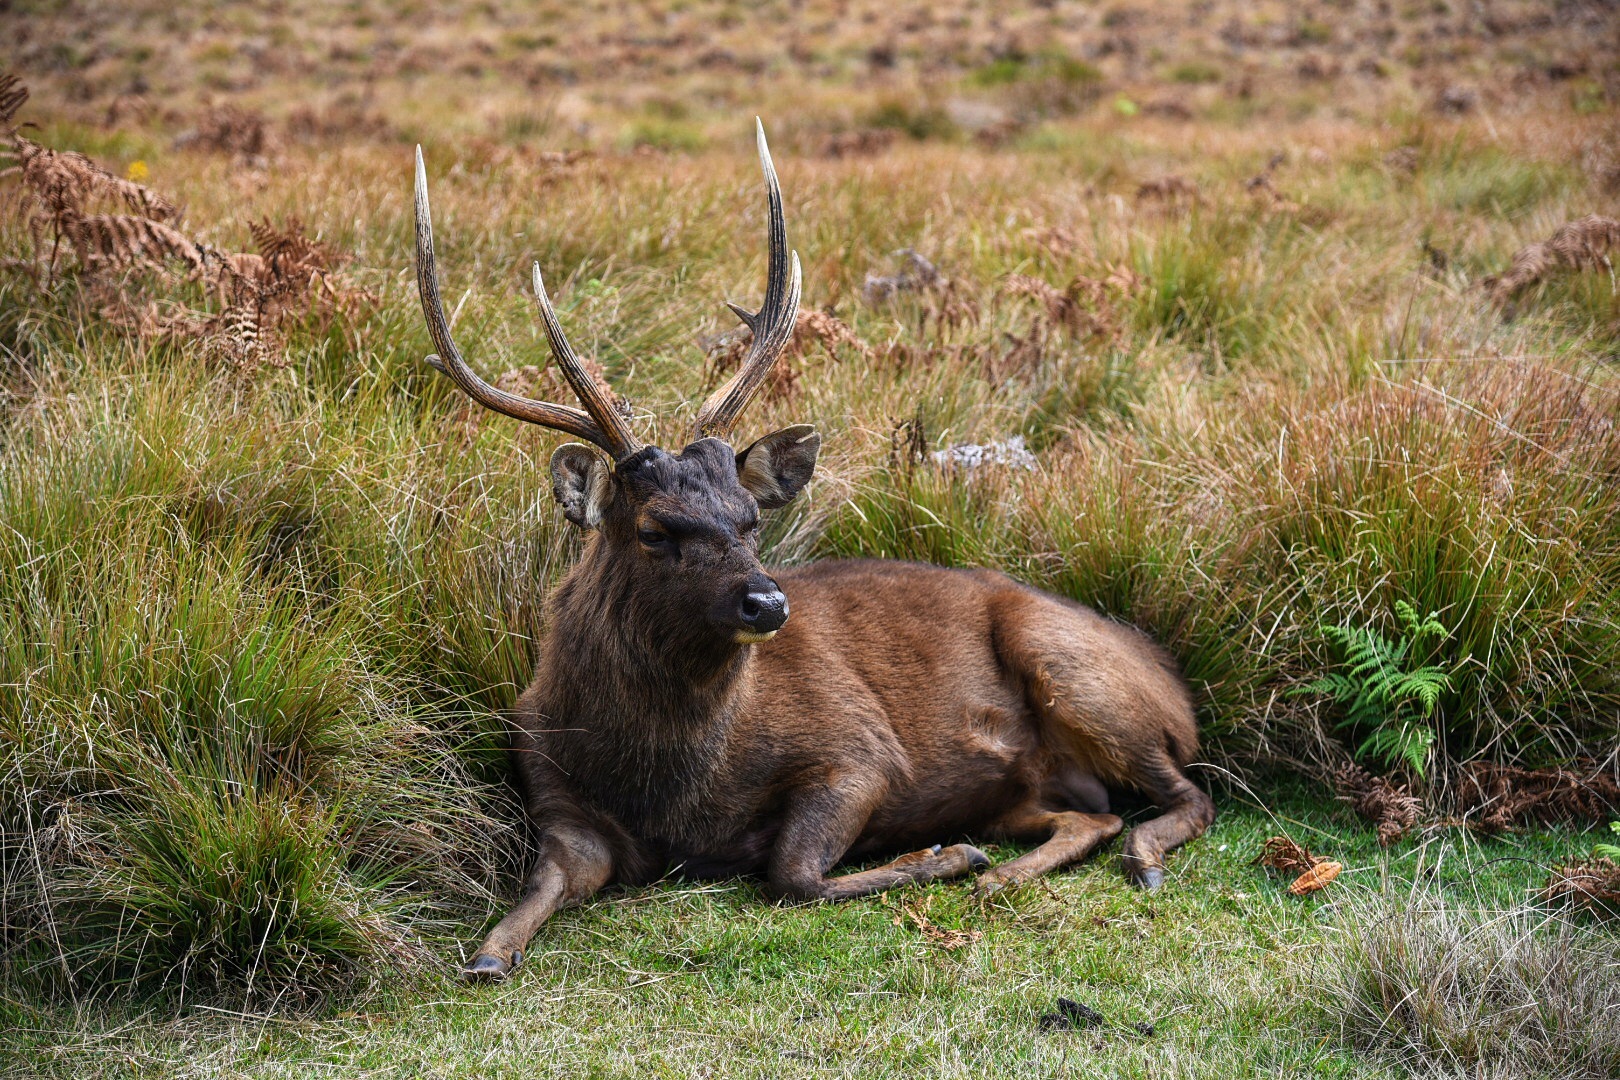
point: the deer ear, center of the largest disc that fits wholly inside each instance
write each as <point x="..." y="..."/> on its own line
<point x="777" y="466"/>
<point x="580" y="482"/>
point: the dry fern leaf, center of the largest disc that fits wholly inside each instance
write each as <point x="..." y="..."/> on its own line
<point x="288" y="251"/>
<point x="1504" y="795"/>
<point x="1285" y="854"/>
<point x="65" y="183"/>
<point x="1083" y="307"/>
<point x="1393" y="809"/>
<point x="12" y="96"/>
<point x="829" y="331"/>
<point x="1594" y="884"/>
<point x="1317" y="877"/>
<point x="1583" y="244"/>
<point x="126" y="241"/>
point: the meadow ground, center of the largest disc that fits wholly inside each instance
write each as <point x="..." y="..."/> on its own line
<point x="1233" y="976"/>
<point x="1227" y="269"/>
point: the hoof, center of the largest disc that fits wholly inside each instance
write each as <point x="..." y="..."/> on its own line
<point x="977" y="860"/>
<point x="1149" y="879"/>
<point x="487" y="968"/>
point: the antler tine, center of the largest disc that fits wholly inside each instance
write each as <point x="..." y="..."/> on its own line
<point x="592" y="394"/>
<point x="563" y="418"/>
<point x="772" y="324"/>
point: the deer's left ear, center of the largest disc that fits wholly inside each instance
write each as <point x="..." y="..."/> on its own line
<point x="777" y="466"/>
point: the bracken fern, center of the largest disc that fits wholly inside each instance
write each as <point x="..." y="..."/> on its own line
<point x="1388" y="695"/>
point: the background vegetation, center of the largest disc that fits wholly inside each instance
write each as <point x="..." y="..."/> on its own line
<point x="267" y="583"/>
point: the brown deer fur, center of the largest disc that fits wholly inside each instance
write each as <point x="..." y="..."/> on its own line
<point x="680" y="719"/>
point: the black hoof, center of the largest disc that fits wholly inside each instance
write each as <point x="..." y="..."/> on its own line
<point x="977" y="860"/>
<point x="485" y="968"/>
<point x="1150" y="879"/>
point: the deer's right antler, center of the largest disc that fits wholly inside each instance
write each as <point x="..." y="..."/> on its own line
<point x="599" y="422"/>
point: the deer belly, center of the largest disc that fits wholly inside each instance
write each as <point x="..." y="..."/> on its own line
<point x="747" y="853"/>
<point x="962" y="781"/>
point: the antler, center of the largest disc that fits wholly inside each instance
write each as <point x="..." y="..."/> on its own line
<point x="772" y="324"/>
<point x="599" y="422"/>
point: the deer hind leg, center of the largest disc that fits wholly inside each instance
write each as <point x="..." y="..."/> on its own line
<point x="1070" y="837"/>
<point x="1111" y="704"/>
<point x="573" y="864"/>
<point x="823" y="823"/>
<point x="1186" y="813"/>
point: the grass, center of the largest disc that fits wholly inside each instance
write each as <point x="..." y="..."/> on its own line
<point x="682" y="978"/>
<point x="261" y="625"/>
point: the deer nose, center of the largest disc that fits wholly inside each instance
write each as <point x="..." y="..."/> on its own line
<point x="764" y="612"/>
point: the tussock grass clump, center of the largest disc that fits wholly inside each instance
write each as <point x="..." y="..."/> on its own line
<point x="1234" y="530"/>
<point x="1448" y="989"/>
<point x="223" y="767"/>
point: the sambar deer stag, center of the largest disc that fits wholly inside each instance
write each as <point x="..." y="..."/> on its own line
<point x="680" y="719"/>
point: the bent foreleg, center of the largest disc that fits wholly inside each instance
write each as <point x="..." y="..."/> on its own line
<point x="823" y="823"/>
<point x="574" y="863"/>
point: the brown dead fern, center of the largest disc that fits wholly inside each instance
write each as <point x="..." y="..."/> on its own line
<point x="291" y="276"/>
<point x="1286" y="854"/>
<point x="125" y="241"/>
<point x="1503" y="796"/>
<point x="230" y="129"/>
<point x="1393" y="809"/>
<point x="1593" y="884"/>
<point x="1310" y="873"/>
<point x="1582" y="244"/>
<point x="1086" y="307"/>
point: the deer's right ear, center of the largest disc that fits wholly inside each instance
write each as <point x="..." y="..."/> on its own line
<point x="580" y="482"/>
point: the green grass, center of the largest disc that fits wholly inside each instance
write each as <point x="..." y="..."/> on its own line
<point x="683" y="977"/>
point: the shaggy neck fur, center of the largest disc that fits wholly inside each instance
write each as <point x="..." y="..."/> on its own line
<point x="641" y="702"/>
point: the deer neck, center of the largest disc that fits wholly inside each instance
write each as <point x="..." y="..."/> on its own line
<point x="651" y="707"/>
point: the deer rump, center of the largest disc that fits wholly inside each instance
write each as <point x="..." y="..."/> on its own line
<point x="679" y="717"/>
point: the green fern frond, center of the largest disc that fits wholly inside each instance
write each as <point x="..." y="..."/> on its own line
<point x="1609" y="851"/>
<point x="1380" y="690"/>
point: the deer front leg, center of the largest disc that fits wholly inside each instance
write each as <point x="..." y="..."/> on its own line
<point x="822" y="823"/>
<point x="574" y="863"/>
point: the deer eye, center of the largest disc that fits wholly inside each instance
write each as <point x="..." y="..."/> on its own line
<point x="657" y="539"/>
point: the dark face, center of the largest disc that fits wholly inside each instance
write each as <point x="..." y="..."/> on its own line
<point x="693" y="531"/>
<point x="684" y="528"/>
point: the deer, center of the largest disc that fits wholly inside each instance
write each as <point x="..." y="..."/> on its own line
<point x="680" y="721"/>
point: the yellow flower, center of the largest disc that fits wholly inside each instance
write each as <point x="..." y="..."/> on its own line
<point x="137" y="171"/>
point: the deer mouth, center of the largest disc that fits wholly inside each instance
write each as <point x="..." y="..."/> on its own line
<point x="752" y="637"/>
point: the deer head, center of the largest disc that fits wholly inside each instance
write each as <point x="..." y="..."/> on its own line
<point x="682" y="528"/>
